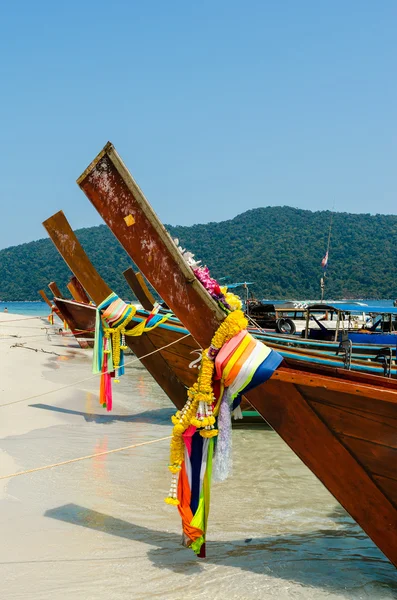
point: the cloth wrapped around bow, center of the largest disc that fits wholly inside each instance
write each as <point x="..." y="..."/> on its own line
<point x="112" y="319"/>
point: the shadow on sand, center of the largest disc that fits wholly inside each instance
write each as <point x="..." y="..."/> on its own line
<point x="160" y="416"/>
<point x="336" y="559"/>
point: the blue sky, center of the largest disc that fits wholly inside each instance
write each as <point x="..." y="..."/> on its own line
<point x="215" y="106"/>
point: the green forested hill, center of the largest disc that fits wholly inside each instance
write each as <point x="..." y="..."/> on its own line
<point x="279" y="248"/>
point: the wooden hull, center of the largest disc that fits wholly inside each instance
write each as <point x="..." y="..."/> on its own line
<point x="345" y="431"/>
<point x="77" y="260"/>
<point x="81" y="321"/>
<point x="63" y="314"/>
<point x="184" y="356"/>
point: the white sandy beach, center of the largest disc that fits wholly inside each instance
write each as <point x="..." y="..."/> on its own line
<point x="99" y="528"/>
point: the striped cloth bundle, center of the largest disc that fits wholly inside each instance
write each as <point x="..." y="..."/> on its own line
<point x="241" y="364"/>
<point x="112" y="318"/>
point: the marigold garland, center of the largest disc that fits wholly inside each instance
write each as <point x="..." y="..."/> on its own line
<point x="198" y="410"/>
<point x="232" y="300"/>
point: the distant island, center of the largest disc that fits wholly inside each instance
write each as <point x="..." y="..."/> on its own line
<point x="278" y="248"/>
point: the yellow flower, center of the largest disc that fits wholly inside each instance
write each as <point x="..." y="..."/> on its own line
<point x="201" y="392"/>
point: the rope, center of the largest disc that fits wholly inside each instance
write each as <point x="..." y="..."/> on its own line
<point x="30" y="337"/>
<point x="24" y="319"/>
<point x="73" y="460"/>
<point x="95" y="375"/>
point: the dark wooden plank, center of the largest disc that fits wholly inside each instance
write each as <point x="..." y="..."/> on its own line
<point x="378" y="459"/>
<point x="379" y="404"/>
<point x="55" y="290"/>
<point x="147" y="240"/>
<point x="114" y="193"/>
<point x="297" y="366"/>
<point x="72" y="251"/>
<point x="389" y="486"/>
<point x="286" y="410"/>
<point x="356" y="423"/>
<point x="360" y="424"/>
<point x="78" y="292"/>
<point x="82" y="315"/>
<point x="139" y="287"/>
<point x="45" y="298"/>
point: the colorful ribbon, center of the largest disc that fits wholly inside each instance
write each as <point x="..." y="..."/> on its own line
<point x="112" y="318"/>
<point x="241" y="364"/>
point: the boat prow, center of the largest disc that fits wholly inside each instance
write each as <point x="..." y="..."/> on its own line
<point x="345" y="431"/>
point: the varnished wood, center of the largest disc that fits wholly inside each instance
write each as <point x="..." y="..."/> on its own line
<point x="61" y="234"/>
<point x="45" y="298"/>
<point x="139" y="287"/>
<point x="107" y="179"/>
<point x="285" y="407"/>
<point x="346" y="468"/>
<point x="356" y="423"/>
<point x="55" y="290"/>
<point x="78" y="292"/>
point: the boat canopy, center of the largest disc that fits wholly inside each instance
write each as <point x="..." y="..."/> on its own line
<point x="354" y="308"/>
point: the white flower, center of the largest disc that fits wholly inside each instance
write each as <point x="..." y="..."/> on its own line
<point x="187" y="256"/>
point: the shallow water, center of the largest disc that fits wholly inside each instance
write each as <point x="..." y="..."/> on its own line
<point x="100" y="529"/>
<point x="34" y="309"/>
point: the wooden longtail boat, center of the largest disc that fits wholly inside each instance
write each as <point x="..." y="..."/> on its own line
<point x="184" y="357"/>
<point x="345" y="431"/>
<point x="77" y="260"/>
<point x="358" y="357"/>
<point x="63" y="314"/>
<point x="80" y="330"/>
<point x="179" y="354"/>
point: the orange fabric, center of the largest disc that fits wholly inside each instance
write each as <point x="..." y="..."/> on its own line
<point x="102" y="398"/>
<point x="234" y="358"/>
<point x="193" y="533"/>
<point x="240" y="362"/>
<point x="226" y="352"/>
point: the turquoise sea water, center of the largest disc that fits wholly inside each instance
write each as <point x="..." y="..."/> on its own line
<point x="33" y="309"/>
<point x="40" y="309"/>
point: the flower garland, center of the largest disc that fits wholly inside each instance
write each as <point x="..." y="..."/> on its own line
<point x="212" y="287"/>
<point x="201" y="406"/>
<point x="233" y="363"/>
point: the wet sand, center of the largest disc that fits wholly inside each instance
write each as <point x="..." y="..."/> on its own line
<point x="100" y="529"/>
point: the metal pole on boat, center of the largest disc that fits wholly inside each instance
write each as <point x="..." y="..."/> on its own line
<point x="322" y="285"/>
<point x="307" y="323"/>
<point x="337" y="326"/>
<point x="324" y="262"/>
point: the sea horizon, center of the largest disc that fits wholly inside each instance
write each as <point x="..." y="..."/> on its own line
<point x="38" y="308"/>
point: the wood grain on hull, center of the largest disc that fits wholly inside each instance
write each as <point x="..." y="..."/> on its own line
<point x="350" y="472"/>
<point x="83" y="329"/>
<point x="67" y="316"/>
